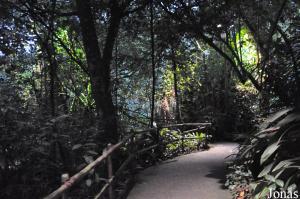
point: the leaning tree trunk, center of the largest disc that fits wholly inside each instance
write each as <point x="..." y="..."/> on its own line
<point x="99" y="66"/>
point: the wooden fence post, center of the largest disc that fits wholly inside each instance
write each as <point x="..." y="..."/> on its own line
<point x="132" y="151"/>
<point x="110" y="173"/>
<point x="64" y="178"/>
<point x="159" y="151"/>
<point x="182" y="140"/>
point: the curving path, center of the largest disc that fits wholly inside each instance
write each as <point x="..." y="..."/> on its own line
<point x="194" y="176"/>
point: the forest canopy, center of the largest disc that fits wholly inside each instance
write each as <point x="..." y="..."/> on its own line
<point x="81" y="73"/>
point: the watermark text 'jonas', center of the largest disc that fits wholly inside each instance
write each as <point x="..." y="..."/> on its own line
<point x="284" y="194"/>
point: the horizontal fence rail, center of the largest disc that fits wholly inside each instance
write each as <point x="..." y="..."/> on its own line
<point x="132" y="140"/>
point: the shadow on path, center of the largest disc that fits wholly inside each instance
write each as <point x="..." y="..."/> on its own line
<point x="218" y="173"/>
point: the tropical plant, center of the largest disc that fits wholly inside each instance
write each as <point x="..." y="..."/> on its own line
<point x="272" y="155"/>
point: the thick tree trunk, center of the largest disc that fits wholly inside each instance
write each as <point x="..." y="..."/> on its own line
<point x="49" y="45"/>
<point x="98" y="66"/>
<point x="178" y="112"/>
<point x="51" y="89"/>
<point x="53" y="81"/>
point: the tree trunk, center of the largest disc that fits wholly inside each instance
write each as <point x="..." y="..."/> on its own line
<point x="53" y="81"/>
<point x="178" y="112"/>
<point x="99" y="66"/>
<point x="153" y="64"/>
<point x="52" y="63"/>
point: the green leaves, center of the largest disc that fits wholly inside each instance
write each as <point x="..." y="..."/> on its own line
<point x="200" y="136"/>
<point x="282" y="164"/>
<point x="263" y="194"/>
<point x="76" y="146"/>
<point x="269" y="152"/>
<point x="274" y="154"/>
<point x="266" y="170"/>
<point x="88" y="159"/>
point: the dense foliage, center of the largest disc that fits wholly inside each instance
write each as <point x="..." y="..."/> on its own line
<point x="76" y="75"/>
<point x="269" y="160"/>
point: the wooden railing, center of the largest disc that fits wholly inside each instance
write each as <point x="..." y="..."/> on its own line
<point x="132" y="140"/>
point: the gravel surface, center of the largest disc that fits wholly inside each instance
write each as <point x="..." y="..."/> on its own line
<point x="194" y="176"/>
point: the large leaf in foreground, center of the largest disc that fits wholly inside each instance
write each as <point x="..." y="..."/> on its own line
<point x="269" y="152"/>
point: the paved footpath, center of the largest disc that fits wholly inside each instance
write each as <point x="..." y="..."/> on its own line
<point x="194" y="176"/>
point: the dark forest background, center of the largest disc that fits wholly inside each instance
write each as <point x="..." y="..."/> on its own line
<point x="76" y="75"/>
